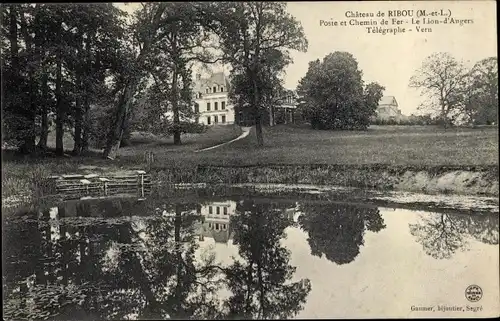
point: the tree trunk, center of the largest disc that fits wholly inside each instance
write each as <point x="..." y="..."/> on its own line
<point x="86" y="101"/>
<point x="14" y="47"/>
<point x="59" y="108"/>
<point x="86" y="126"/>
<point x="14" y="55"/>
<point x="78" y="126"/>
<point x="175" y="93"/>
<point x="115" y="135"/>
<point x="257" y="113"/>
<point x="175" y="109"/>
<point x="29" y="109"/>
<point x="444" y="118"/>
<point x="80" y="93"/>
<point x="59" y="99"/>
<point x="272" y="121"/>
<point x="44" y="133"/>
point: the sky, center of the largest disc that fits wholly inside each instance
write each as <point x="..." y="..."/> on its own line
<point x="391" y="59"/>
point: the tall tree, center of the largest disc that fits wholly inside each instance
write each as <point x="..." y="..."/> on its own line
<point x="248" y="32"/>
<point x="479" y="98"/>
<point x="332" y="94"/>
<point x="148" y="20"/>
<point x="17" y="120"/>
<point x="270" y="85"/>
<point x="372" y="94"/>
<point x="185" y="40"/>
<point x="440" y="80"/>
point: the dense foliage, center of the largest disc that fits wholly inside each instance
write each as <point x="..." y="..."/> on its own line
<point x="95" y="73"/>
<point x="333" y="95"/>
<point x="256" y="39"/>
<point x="58" y="62"/>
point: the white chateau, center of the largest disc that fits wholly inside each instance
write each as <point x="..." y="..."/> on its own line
<point x="388" y="109"/>
<point x="212" y="101"/>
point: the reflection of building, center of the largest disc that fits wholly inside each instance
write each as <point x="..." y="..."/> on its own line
<point x="216" y="220"/>
<point x="388" y="109"/>
<point x="293" y="213"/>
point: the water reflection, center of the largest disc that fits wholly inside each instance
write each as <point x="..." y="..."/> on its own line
<point x="123" y="259"/>
<point x="259" y="280"/>
<point x="442" y="235"/>
<point x="337" y="230"/>
<point x="131" y="259"/>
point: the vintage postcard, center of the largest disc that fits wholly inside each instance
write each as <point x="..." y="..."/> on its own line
<point x="250" y="160"/>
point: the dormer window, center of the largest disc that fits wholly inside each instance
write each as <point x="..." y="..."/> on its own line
<point x="215" y="89"/>
<point x="199" y="95"/>
<point x="207" y="90"/>
<point x="221" y="89"/>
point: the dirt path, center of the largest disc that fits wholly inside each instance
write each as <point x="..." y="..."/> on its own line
<point x="245" y="133"/>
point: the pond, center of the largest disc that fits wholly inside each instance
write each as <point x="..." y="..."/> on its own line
<point x="237" y="256"/>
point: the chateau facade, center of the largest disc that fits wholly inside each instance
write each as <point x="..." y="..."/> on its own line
<point x="212" y="103"/>
<point x="388" y="109"/>
<point x="212" y="100"/>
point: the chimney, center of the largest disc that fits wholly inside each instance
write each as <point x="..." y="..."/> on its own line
<point x="198" y="76"/>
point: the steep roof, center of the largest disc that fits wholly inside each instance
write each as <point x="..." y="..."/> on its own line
<point x="218" y="78"/>
<point x="388" y="100"/>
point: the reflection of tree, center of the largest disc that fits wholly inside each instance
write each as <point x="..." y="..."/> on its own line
<point x="121" y="260"/>
<point x="441" y="235"/>
<point x="118" y="259"/>
<point x="337" y="230"/>
<point x="260" y="282"/>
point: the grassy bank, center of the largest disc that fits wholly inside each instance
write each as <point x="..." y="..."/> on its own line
<point x="476" y="180"/>
<point x="23" y="175"/>
<point x="375" y="158"/>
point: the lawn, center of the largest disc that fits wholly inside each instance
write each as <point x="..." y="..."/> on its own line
<point x="140" y="142"/>
<point x="19" y="172"/>
<point x="392" y="145"/>
<point x="401" y="145"/>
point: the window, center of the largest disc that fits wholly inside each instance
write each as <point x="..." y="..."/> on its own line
<point x="223" y="105"/>
<point x="217" y="210"/>
<point x="216" y="105"/>
<point x="225" y="210"/>
<point x="216" y="119"/>
<point x="208" y="120"/>
<point x="210" y="225"/>
<point x="199" y="95"/>
<point x="223" y="121"/>
<point x="214" y="89"/>
<point x="208" y="106"/>
<point x="207" y="90"/>
<point x="217" y="226"/>
<point x="196" y="108"/>
<point x="221" y="89"/>
<point x="210" y="210"/>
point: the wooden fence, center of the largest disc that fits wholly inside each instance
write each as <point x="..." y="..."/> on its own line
<point x="95" y="185"/>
